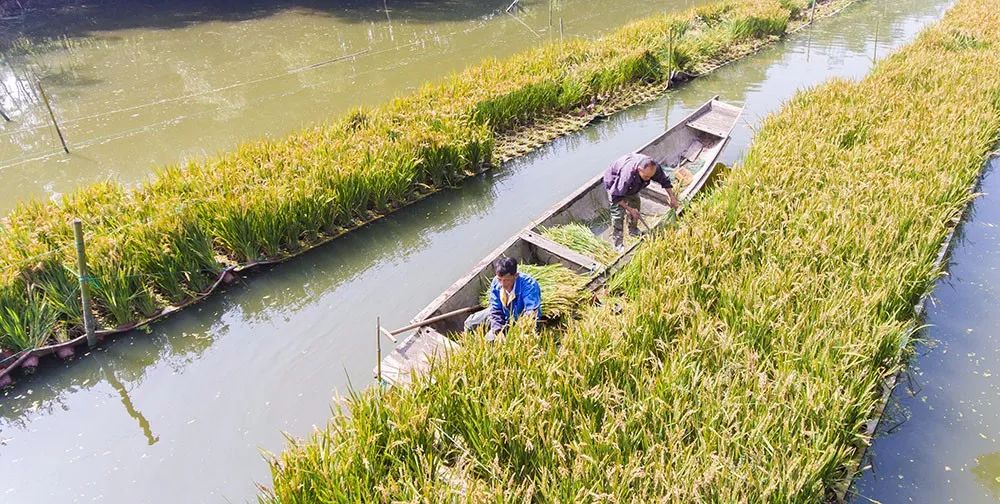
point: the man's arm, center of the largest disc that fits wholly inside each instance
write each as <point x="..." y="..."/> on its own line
<point x="497" y="318"/>
<point x="633" y="212"/>
<point x="663" y="179"/>
<point x="533" y="301"/>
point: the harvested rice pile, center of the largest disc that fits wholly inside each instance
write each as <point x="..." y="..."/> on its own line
<point x="562" y="290"/>
<point x="580" y="238"/>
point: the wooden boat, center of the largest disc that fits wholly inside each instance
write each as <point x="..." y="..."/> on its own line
<point x="691" y="148"/>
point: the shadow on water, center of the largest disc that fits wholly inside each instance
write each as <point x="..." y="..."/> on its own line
<point x="49" y="19"/>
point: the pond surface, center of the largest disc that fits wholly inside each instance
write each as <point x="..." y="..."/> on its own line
<point x="182" y="414"/>
<point x="137" y="85"/>
<point x="938" y="440"/>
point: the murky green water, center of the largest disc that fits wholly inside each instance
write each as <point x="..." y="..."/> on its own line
<point x="939" y="439"/>
<point x="180" y="415"/>
<point x="137" y="85"/>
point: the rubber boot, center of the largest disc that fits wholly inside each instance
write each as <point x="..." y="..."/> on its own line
<point x="618" y="239"/>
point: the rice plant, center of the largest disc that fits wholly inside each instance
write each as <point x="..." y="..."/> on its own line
<point x="580" y="238"/>
<point x="27" y="319"/>
<point x="741" y="352"/>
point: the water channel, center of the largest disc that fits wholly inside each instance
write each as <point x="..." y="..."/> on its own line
<point x="136" y="85"/>
<point x="181" y="414"/>
<point x="938" y="441"/>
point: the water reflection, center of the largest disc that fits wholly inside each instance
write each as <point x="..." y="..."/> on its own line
<point x="136" y="85"/>
<point x="130" y="408"/>
<point x="60" y="18"/>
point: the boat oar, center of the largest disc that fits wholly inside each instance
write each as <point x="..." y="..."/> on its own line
<point x="392" y="334"/>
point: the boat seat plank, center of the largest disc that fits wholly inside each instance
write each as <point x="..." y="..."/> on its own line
<point x="718" y="121"/>
<point x="583" y="261"/>
<point x="656" y="193"/>
<point x="414" y="355"/>
<point x="693" y="151"/>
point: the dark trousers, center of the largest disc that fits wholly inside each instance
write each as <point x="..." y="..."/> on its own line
<point x="618" y="217"/>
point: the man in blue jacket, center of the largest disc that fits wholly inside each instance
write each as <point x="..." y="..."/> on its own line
<point x="512" y="295"/>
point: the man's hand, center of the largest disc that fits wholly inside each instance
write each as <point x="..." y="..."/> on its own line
<point x="633" y="213"/>
<point x="672" y="200"/>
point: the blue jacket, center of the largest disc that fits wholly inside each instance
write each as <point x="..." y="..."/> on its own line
<point x="527" y="297"/>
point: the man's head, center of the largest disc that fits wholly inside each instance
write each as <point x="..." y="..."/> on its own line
<point x="506" y="269"/>
<point x="647" y="170"/>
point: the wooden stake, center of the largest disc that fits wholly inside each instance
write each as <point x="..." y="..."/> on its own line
<point x="378" y="349"/>
<point x="81" y="260"/>
<point x="53" y="116"/>
<point x="550" y="13"/>
<point x="670" y="56"/>
<point x="560" y="30"/>
<point x="875" y="49"/>
<point x="809" y="40"/>
<point x="2" y="114"/>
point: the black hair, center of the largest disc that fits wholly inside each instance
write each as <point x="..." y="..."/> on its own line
<point x="505" y="266"/>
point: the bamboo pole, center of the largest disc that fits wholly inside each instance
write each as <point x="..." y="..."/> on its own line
<point x="378" y="349"/>
<point x="875" y="48"/>
<point x="431" y="320"/>
<point x="809" y="39"/>
<point x="84" y="277"/>
<point x="4" y="115"/>
<point x="670" y="56"/>
<point x="560" y="30"/>
<point x="52" y="114"/>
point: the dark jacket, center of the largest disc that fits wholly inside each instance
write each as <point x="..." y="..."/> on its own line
<point x="622" y="179"/>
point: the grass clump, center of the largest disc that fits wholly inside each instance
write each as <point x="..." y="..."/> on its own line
<point x="165" y="241"/>
<point x="580" y="238"/>
<point x="744" y="350"/>
<point x="562" y="289"/>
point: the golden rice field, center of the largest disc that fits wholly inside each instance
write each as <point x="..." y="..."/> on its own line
<point x="742" y="352"/>
<point x="167" y="240"/>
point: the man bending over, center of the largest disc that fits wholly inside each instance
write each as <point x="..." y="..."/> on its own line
<point x="623" y="180"/>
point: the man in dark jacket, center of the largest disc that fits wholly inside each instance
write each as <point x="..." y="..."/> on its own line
<point x="623" y="180"/>
<point x="512" y="295"/>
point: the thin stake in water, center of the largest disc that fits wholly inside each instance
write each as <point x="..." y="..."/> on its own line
<point x="875" y="48"/>
<point x="809" y="39"/>
<point x="4" y="115"/>
<point x="378" y="350"/>
<point x="670" y="56"/>
<point x="52" y="114"/>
